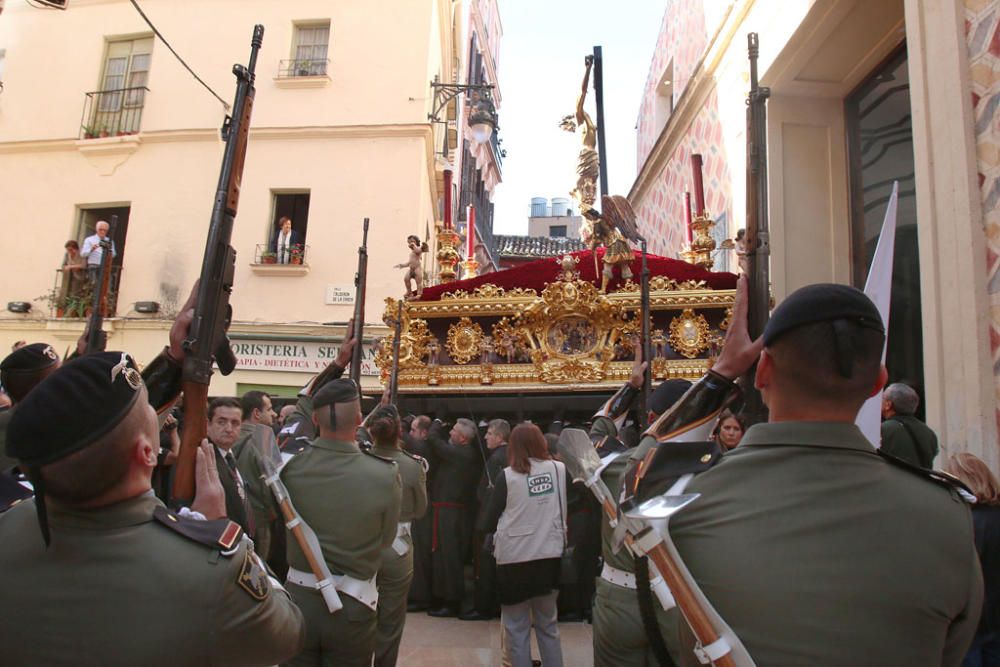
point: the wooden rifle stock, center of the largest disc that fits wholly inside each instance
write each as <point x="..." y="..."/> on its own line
<point x="207" y="342"/>
<point x="96" y="341"/>
<point x="758" y="247"/>
<point x="360" y="282"/>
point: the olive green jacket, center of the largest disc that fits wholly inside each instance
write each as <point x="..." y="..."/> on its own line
<point x="413" y="479"/>
<point x="117" y="587"/>
<point x="350" y="499"/>
<point x="817" y="551"/>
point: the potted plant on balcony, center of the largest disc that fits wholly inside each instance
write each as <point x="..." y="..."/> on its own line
<point x="89" y="132"/>
<point x="303" y="68"/>
<point x="104" y="132"/>
<point x="298" y="252"/>
<point x="268" y="257"/>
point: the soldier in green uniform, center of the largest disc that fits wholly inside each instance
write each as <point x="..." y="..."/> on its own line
<point x="813" y="548"/>
<point x="114" y="577"/>
<point x="620" y="636"/>
<point x="396" y="573"/>
<point x="351" y="499"/>
<point x="20" y="371"/>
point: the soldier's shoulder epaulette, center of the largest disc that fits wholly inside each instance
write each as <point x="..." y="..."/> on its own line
<point x="419" y="459"/>
<point x="221" y="534"/>
<point x="372" y="454"/>
<point x="938" y="477"/>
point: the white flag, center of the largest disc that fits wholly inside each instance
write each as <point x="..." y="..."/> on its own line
<point x="878" y="287"/>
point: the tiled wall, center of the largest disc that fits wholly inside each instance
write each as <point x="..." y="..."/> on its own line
<point x="682" y="38"/>
<point x="982" y="29"/>
<point x="661" y="210"/>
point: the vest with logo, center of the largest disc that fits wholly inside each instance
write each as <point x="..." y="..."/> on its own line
<point x="532" y="526"/>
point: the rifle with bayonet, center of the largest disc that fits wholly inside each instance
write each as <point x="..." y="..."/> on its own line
<point x="207" y="341"/>
<point x="360" y="283"/>
<point x="96" y="340"/>
<point x="758" y="245"/>
<point x="647" y="356"/>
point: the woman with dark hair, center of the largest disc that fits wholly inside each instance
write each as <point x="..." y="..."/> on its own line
<point x="985" y="649"/>
<point x="527" y="513"/>
<point x="729" y="430"/>
<point x="396" y="571"/>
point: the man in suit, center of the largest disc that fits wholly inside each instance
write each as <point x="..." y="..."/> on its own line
<point x="285" y="240"/>
<point x="225" y="417"/>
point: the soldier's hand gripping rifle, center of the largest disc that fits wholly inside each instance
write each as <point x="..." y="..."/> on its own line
<point x="207" y="340"/>
<point x="360" y="283"/>
<point x="271" y="462"/>
<point x="96" y="340"/>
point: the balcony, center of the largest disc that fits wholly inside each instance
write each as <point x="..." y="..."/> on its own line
<point x="112" y="113"/>
<point x="288" y="69"/>
<point x="72" y="293"/>
<point x="267" y="262"/>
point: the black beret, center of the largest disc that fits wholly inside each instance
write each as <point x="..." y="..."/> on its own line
<point x="668" y="393"/>
<point x="341" y="390"/>
<point x="822" y="302"/>
<point x="32" y="357"/>
<point x="73" y="407"/>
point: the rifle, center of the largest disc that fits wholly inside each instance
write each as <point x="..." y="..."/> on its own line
<point x="207" y="340"/>
<point x="96" y="340"/>
<point x="394" y="378"/>
<point x="647" y="376"/>
<point x="758" y="246"/>
<point x="360" y="281"/>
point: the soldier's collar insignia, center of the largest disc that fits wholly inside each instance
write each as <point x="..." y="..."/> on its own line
<point x="252" y="577"/>
<point x="132" y="376"/>
<point x="50" y="353"/>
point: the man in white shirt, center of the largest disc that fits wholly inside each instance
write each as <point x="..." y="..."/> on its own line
<point x="92" y="250"/>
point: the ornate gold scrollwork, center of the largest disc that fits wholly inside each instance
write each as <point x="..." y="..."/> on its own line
<point x="689" y="334"/>
<point x="464" y="339"/>
<point x="727" y="320"/>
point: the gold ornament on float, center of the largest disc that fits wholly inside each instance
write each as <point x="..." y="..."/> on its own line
<point x="689" y="334"/>
<point x="464" y="340"/>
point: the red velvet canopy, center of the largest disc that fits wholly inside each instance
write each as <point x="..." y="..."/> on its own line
<point x="536" y="275"/>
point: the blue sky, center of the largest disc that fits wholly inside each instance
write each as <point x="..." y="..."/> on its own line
<point x="540" y="72"/>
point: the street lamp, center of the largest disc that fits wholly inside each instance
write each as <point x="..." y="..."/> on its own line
<point x="483" y="117"/>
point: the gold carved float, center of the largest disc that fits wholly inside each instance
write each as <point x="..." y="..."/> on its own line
<point x="571" y="336"/>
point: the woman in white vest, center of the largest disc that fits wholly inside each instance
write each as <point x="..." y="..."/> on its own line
<point x="527" y="510"/>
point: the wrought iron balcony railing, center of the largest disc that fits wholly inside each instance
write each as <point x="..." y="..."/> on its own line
<point x="308" y="67"/>
<point x="109" y="113"/>
<point x="264" y="254"/>
<point x="72" y="294"/>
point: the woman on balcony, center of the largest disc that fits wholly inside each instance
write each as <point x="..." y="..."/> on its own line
<point x="74" y="279"/>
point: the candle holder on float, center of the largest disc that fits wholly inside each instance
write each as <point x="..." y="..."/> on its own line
<point x="447" y="255"/>
<point x="470" y="268"/>
<point x="433" y="369"/>
<point x="700" y="251"/>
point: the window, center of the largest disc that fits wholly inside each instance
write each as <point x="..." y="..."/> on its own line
<point x="294" y="207"/>
<point x="663" y="97"/>
<point x="117" y="107"/>
<point x="557" y="231"/>
<point x="309" y="55"/>
<point x="880" y="151"/>
<point x="86" y="226"/>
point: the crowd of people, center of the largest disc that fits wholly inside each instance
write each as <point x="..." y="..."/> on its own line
<point x="812" y="547"/>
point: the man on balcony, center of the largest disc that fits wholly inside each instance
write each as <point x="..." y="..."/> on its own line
<point x="92" y="250"/>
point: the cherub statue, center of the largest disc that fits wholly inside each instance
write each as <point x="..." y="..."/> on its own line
<point x="612" y="228"/>
<point x="414" y="267"/>
<point x="588" y="164"/>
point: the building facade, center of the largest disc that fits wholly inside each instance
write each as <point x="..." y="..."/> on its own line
<point x="97" y="118"/>
<point x="864" y="93"/>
